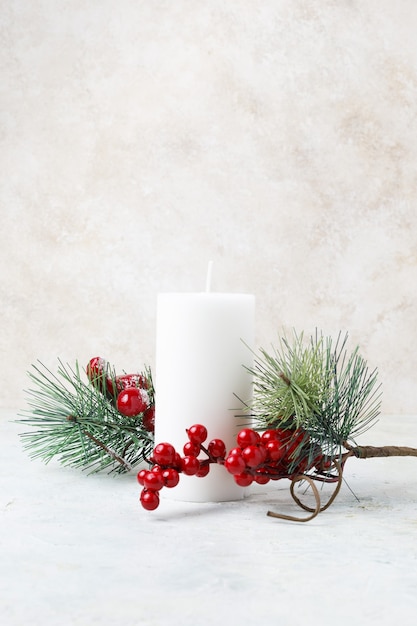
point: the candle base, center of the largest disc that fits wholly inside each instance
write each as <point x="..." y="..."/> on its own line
<point x="217" y="486"/>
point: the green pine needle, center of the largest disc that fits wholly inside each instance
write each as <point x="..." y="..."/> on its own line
<point x="315" y="385"/>
<point x="75" y="423"/>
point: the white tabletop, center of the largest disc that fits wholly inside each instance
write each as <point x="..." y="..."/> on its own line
<point x="79" y="550"/>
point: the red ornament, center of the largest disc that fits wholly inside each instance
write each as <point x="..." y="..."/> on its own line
<point x="148" y="420"/>
<point x="126" y="381"/>
<point x="96" y="372"/>
<point x="132" y="402"/>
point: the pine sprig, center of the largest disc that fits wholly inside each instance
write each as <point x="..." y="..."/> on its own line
<point x="317" y="386"/>
<point x="78" y="425"/>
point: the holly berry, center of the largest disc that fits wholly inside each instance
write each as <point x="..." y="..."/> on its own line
<point x="297" y="439"/>
<point x="275" y="450"/>
<point x="190" y="465"/>
<point x="164" y="454"/>
<point x="153" y="481"/>
<point x="253" y="456"/>
<point x="203" y="471"/>
<point x="247" y="437"/>
<point x="271" y="435"/>
<point x="244" y="479"/>
<point x="141" y="475"/>
<point x="197" y="433"/>
<point x="235" y="464"/>
<point x="170" y="477"/>
<point x="191" y="449"/>
<point x="132" y="401"/>
<point x="97" y="373"/>
<point x="217" y="449"/>
<point x="261" y="476"/>
<point x="235" y="451"/>
<point x="149" y="499"/>
<point x="97" y="366"/>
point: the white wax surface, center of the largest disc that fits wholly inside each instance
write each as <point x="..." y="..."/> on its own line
<point x="201" y="352"/>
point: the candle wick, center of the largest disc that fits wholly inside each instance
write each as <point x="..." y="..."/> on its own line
<point x="208" y="277"/>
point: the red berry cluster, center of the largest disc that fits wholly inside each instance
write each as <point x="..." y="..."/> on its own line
<point x="168" y="464"/>
<point x="131" y="393"/>
<point x="274" y="454"/>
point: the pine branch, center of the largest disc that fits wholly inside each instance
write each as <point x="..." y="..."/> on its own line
<point x="77" y="424"/>
<point x="316" y="386"/>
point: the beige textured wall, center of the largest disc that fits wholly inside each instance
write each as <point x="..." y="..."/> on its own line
<point x="139" y="139"/>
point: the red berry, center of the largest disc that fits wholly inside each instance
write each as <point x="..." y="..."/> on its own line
<point x="248" y="437"/>
<point x="125" y="381"/>
<point x="324" y="464"/>
<point x="269" y="435"/>
<point x="190" y="465"/>
<point x="203" y="471"/>
<point x="235" y="464"/>
<point x="235" y="451"/>
<point x="141" y="475"/>
<point x="164" y="454"/>
<point x="191" y="449"/>
<point x="262" y="450"/>
<point x="297" y="439"/>
<point x="96" y="372"/>
<point x="177" y="461"/>
<point x="148" y="420"/>
<point x="197" y="433"/>
<point x="153" y="481"/>
<point x="149" y="499"/>
<point x="284" y="434"/>
<point x="96" y="367"/>
<point x="217" y="449"/>
<point x="170" y="477"/>
<point x="244" y="479"/>
<point x="252" y="456"/>
<point x="302" y="466"/>
<point x="132" y="402"/>
<point x="275" y="450"/>
<point x="261" y="477"/>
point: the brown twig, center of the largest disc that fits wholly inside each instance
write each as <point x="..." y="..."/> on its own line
<point x="100" y="444"/>
<point x="314" y="511"/>
<point x="368" y="452"/>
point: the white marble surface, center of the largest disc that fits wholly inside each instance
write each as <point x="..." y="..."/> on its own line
<point x="79" y="551"/>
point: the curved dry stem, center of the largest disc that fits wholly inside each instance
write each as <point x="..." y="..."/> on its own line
<point x="314" y="511"/>
<point x="332" y="498"/>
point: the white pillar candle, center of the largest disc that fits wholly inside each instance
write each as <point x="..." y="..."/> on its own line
<point x="201" y="353"/>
